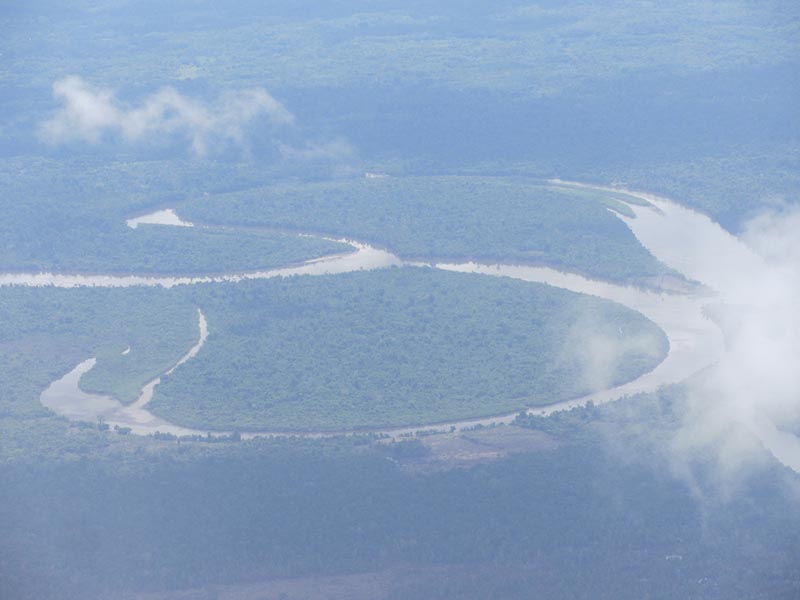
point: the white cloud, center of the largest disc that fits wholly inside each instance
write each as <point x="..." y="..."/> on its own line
<point x="89" y="113"/>
<point x="756" y="386"/>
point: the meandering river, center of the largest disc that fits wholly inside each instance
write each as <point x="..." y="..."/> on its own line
<point x="670" y="232"/>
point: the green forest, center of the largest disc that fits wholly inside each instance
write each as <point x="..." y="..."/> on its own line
<point x="45" y="332"/>
<point x="402" y="346"/>
<point x="79" y="211"/>
<point x="430" y="129"/>
<point x="573" y="520"/>
<point x="451" y="218"/>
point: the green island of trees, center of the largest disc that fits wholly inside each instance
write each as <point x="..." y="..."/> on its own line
<point x="396" y="347"/>
<point x="78" y="212"/>
<point x="485" y="219"/>
<point x="693" y="100"/>
<point x="45" y="332"/>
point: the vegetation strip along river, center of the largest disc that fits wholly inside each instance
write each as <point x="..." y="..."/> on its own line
<point x="695" y="341"/>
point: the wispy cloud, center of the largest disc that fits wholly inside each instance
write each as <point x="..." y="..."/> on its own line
<point x="746" y="406"/>
<point x="603" y="352"/>
<point x="752" y="397"/>
<point x="89" y="113"/>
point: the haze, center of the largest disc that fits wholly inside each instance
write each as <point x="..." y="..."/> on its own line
<point x="399" y="300"/>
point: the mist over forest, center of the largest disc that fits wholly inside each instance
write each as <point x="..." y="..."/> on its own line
<point x="392" y="300"/>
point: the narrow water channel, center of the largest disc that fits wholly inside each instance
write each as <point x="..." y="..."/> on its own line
<point x="672" y="233"/>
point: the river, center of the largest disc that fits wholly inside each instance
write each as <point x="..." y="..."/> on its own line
<point x="677" y="236"/>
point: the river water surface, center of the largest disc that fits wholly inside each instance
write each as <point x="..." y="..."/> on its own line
<point x="677" y="236"/>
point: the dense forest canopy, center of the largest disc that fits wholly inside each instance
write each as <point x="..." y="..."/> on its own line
<point x="403" y="346"/>
<point x="430" y="129"/>
<point x="629" y="91"/>
<point x="452" y="219"/>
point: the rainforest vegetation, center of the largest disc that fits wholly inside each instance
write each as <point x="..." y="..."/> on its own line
<point x="430" y="129"/>
<point x="402" y="346"/>
<point x="451" y="218"/>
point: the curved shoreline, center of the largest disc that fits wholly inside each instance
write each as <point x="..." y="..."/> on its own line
<point x="694" y="342"/>
<point x="663" y="227"/>
<point x="364" y="257"/>
<point x="685" y="357"/>
<point x="65" y="397"/>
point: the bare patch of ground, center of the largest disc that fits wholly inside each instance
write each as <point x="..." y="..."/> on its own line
<point x="466" y="448"/>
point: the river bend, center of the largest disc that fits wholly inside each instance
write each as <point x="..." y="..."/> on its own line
<point x="670" y="232"/>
